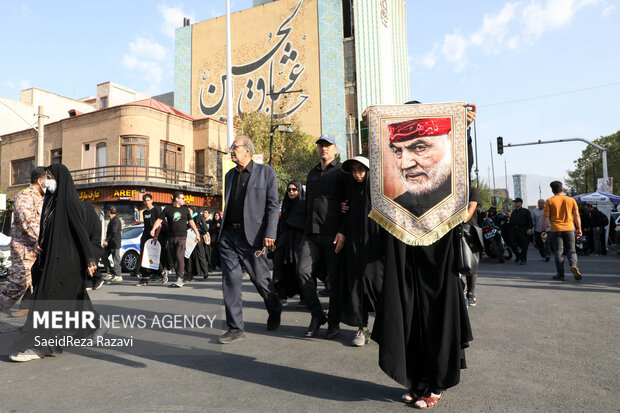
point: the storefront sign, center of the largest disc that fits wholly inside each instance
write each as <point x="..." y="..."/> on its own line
<point x="90" y="196"/>
<point x="128" y="193"/>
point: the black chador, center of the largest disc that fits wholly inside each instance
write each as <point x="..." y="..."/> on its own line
<point x="198" y="262"/>
<point x="290" y="234"/>
<point x="365" y="250"/>
<point x="59" y="274"/>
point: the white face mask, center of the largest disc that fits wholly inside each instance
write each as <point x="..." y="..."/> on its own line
<point x="50" y="184"/>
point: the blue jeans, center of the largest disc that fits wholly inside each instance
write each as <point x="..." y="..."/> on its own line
<point x="563" y="245"/>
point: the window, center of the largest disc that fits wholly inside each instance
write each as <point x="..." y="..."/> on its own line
<point x="56" y="156"/>
<point x="133" y="151"/>
<point x="171" y="156"/>
<point x="104" y="102"/>
<point x="199" y="163"/>
<point x="21" y="170"/>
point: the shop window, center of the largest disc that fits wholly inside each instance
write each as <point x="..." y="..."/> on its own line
<point x="56" y="156"/>
<point x="22" y="169"/>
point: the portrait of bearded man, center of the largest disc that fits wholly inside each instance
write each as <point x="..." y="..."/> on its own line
<point x="422" y="150"/>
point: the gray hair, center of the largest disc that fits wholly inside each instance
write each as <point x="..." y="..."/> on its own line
<point x="248" y="144"/>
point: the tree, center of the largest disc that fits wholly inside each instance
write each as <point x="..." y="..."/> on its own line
<point x="484" y="195"/>
<point x="583" y="166"/>
<point x="294" y="154"/>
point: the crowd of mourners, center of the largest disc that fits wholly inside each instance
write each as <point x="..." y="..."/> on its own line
<point x="321" y="231"/>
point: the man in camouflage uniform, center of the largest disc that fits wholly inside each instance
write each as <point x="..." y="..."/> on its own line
<point x="24" y="236"/>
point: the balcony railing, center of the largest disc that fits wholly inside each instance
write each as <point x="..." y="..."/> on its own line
<point x="151" y="174"/>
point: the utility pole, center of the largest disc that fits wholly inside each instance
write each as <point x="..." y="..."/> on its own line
<point x="229" y="81"/>
<point x="492" y="165"/>
<point x="40" y="138"/>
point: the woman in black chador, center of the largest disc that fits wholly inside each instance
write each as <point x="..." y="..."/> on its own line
<point x="421" y="324"/>
<point x="198" y="262"/>
<point x="215" y="225"/>
<point x="365" y="249"/>
<point x="290" y="233"/>
<point x="59" y="274"/>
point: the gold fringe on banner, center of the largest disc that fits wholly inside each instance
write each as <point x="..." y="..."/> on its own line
<point x="424" y="241"/>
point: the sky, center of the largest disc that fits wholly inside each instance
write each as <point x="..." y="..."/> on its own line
<point x="536" y="69"/>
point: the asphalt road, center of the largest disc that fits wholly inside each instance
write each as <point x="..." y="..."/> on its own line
<point x="539" y="345"/>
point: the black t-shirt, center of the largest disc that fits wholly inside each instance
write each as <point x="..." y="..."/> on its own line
<point x="177" y="218"/>
<point x="149" y="216"/>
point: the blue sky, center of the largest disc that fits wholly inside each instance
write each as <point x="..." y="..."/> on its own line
<point x="537" y="69"/>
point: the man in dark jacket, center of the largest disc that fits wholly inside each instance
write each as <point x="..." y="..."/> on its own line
<point x="323" y="236"/>
<point x="112" y="245"/>
<point x="521" y="230"/>
<point x="597" y="224"/>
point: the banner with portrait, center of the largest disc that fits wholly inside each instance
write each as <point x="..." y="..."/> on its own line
<point x="418" y="169"/>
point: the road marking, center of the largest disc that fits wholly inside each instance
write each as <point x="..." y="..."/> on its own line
<point x="585" y="275"/>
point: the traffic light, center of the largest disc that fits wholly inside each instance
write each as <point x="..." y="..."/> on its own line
<point x="500" y="145"/>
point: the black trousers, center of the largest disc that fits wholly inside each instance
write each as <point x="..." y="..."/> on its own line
<point x="520" y="242"/>
<point x="234" y="252"/>
<point x="544" y="248"/>
<point x="315" y="250"/>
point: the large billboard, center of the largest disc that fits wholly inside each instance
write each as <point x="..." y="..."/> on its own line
<point x="275" y="58"/>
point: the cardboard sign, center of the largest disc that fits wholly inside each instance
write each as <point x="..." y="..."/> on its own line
<point x="190" y="243"/>
<point x="151" y="254"/>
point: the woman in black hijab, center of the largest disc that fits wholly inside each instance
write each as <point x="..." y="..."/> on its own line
<point x="198" y="263"/>
<point x="215" y="225"/>
<point x="364" y="251"/>
<point x="290" y="234"/>
<point x="59" y="274"/>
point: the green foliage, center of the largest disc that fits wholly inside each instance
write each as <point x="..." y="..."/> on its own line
<point x="484" y="195"/>
<point x="576" y="181"/>
<point x="294" y="154"/>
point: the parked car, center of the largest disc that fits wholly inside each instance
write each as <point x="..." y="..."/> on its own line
<point x="130" y="248"/>
<point x="615" y="217"/>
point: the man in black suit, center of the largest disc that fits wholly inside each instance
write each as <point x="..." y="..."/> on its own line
<point x="248" y="230"/>
<point x="423" y="158"/>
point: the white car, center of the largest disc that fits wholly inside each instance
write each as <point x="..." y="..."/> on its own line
<point x="130" y="248"/>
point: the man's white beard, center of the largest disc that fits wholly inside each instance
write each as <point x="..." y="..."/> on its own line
<point x="437" y="175"/>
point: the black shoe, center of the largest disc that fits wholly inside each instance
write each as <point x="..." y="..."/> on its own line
<point x="315" y="325"/>
<point x="547" y="259"/>
<point x="517" y="261"/>
<point x="230" y="336"/>
<point x="558" y="277"/>
<point x="143" y="282"/>
<point x="273" y="322"/>
<point x="324" y="293"/>
<point x="521" y="262"/>
<point x="97" y="283"/>
<point x="332" y="333"/>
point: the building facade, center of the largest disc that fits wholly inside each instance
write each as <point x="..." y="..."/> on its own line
<point x="118" y="153"/>
<point x="520" y="186"/>
<point x="321" y="61"/>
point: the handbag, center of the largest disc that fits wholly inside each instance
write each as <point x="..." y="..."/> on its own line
<point x="468" y="245"/>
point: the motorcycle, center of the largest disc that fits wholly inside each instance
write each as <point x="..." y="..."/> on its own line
<point x="494" y="244"/>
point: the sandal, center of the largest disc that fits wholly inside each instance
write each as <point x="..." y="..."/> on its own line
<point x="412" y="395"/>
<point x="428" y="400"/>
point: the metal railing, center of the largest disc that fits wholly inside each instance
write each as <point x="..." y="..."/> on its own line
<point x="154" y="174"/>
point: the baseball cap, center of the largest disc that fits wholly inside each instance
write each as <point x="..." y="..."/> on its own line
<point x="331" y="139"/>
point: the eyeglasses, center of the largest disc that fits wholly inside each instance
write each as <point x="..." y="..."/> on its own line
<point x="292" y="189"/>
<point x="234" y="147"/>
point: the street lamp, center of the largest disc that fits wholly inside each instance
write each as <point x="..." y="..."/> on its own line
<point x="282" y="127"/>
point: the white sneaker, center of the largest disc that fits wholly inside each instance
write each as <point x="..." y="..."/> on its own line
<point x="361" y="338"/>
<point x="178" y="284"/>
<point x="108" y="277"/>
<point x="26" y="355"/>
<point x="116" y="279"/>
